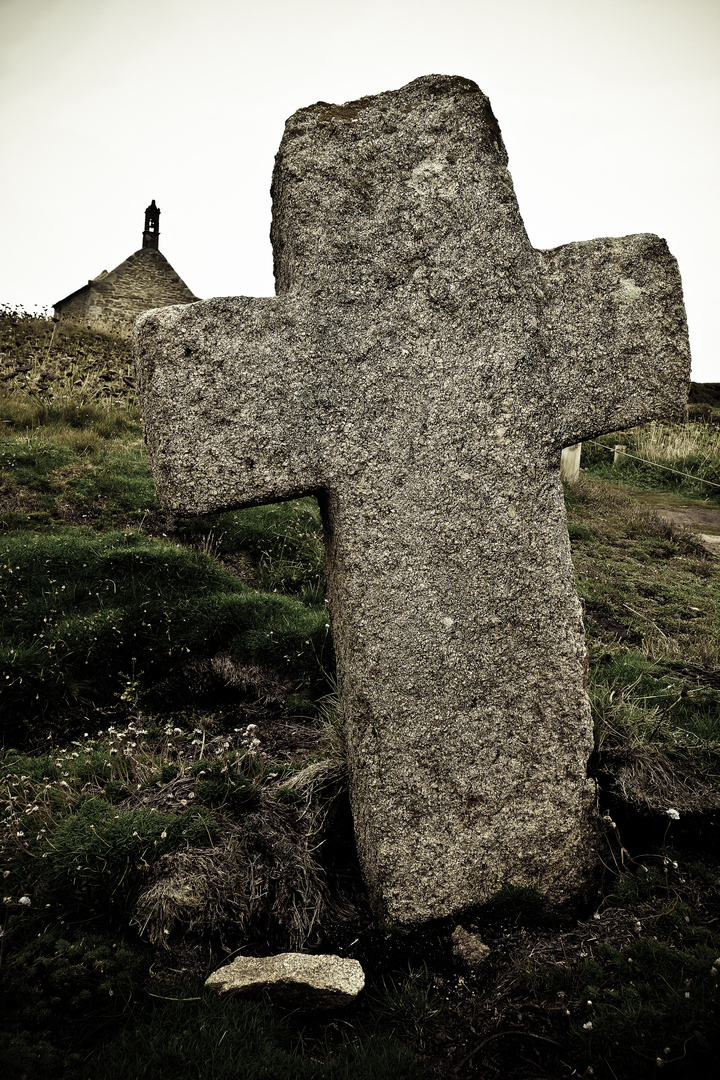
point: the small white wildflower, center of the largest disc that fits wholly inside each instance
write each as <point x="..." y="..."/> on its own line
<point x="713" y="971"/>
<point x="673" y="814"/>
<point x="687" y="993"/>
<point x="588" y="1026"/>
<point x="25" y="901"/>
<point x="19" y="833"/>
<point x="163" y="834"/>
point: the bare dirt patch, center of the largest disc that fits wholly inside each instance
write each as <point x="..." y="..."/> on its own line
<point x="703" y="521"/>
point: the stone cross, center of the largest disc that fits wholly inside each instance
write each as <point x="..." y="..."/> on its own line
<point x="420" y="370"/>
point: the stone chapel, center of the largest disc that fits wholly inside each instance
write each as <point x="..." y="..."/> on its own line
<point x="112" y="301"/>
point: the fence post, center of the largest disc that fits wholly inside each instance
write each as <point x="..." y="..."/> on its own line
<point x="570" y="462"/>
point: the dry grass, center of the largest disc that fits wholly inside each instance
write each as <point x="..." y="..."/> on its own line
<point x="51" y="363"/>
<point x="645" y="777"/>
<point x="263" y="884"/>
<point x="662" y="442"/>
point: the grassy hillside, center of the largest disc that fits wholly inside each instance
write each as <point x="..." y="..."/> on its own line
<point x="172" y="780"/>
<point x="705" y="394"/>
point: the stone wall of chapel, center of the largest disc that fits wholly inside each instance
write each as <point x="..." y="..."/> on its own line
<point x="112" y="303"/>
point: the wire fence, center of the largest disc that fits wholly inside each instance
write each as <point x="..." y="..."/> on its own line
<point x="655" y="465"/>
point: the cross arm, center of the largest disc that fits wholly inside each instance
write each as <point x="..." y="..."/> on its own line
<point x="615" y="335"/>
<point x="228" y="388"/>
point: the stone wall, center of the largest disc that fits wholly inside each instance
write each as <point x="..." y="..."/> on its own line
<point x="112" y="302"/>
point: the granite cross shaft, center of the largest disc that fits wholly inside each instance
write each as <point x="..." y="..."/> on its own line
<point x="420" y="370"/>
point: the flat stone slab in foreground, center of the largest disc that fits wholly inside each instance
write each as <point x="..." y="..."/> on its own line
<point x="292" y="979"/>
<point x="420" y="371"/>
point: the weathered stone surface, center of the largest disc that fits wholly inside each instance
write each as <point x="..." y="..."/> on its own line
<point x="293" y="979"/>
<point x="420" y="371"/>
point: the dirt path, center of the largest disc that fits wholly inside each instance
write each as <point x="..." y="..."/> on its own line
<point x="703" y="521"/>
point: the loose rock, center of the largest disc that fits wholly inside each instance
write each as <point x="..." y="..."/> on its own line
<point x="469" y="947"/>
<point x="292" y="979"/>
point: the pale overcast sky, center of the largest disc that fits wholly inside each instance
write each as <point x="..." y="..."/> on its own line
<point x="610" y="111"/>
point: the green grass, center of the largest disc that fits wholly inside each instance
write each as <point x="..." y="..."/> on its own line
<point x="81" y="833"/>
<point x="653" y="628"/>
<point x="681" y="460"/>
<point x="99" y="586"/>
<point x="652" y="1004"/>
<point x="231" y="1040"/>
<point x="82" y="614"/>
<point x="107" y="600"/>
